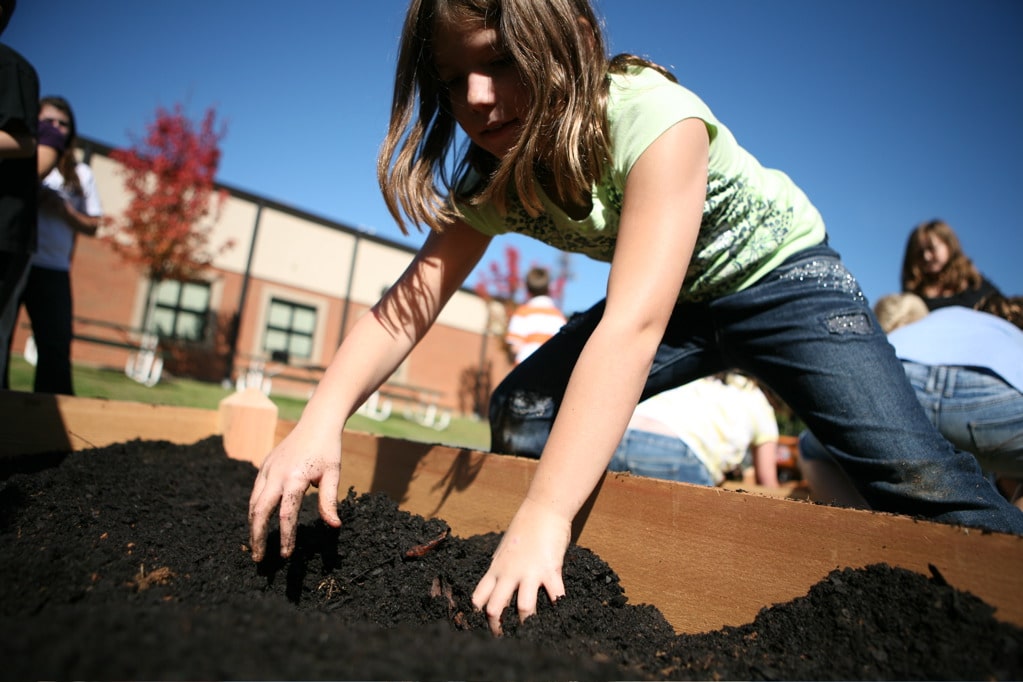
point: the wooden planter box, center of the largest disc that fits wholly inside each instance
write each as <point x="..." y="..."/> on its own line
<point x="706" y="557"/>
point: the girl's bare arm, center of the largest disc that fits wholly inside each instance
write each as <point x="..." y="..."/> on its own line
<point x="78" y="221"/>
<point x="661" y="216"/>
<point x="380" y="340"/>
<point x="46" y="161"/>
<point x="16" y="145"/>
<point x="19" y="145"/>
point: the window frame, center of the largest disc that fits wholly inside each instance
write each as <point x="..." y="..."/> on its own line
<point x="179" y="310"/>
<point x="289" y="331"/>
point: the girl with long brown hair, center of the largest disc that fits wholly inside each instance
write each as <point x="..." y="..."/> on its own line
<point x="936" y="269"/>
<point x="69" y="206"/>
<point x="716" y="262"/>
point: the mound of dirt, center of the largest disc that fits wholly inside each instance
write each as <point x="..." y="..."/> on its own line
<point x="130" y="561"/>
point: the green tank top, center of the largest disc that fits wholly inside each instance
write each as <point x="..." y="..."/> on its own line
<point x="753" y="217"/>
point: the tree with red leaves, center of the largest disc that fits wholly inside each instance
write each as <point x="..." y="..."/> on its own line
<point x="503" y="283"/>
<point x="500" y="286"/>
<point x="166" y="228"/>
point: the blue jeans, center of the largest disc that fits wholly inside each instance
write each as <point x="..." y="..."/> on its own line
<point x="976" y="411"/>
<point x="659" y="456"/>
<point x="806" y="331"/>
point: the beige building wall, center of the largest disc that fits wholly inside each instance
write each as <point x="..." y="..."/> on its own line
<point x="377" y="268"/>
<point x="296" y="252"/>
<point x="109" y="183"/>
<point x="281" y="252"/>
<point x="234" y="226"/>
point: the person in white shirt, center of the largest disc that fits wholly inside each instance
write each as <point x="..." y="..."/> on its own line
<point x="701" y="431"/>
<point x="69" y="205"/>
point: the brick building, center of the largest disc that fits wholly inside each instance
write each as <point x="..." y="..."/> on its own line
<point x="280" y="300"/>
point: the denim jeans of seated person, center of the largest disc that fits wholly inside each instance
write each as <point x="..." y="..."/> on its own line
<point x="975" y="410"/>
<point x="805" y="330"/>
<point x="656" y="455"/>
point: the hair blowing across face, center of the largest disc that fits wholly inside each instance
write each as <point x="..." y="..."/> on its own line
<point x="560" y="56"/>
<point x="68" y="159"/>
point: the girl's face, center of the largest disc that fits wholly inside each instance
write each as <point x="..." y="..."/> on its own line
<point x="934" y="253"/>
<point x="488" y="98"/>
<point x="58" y="118"/>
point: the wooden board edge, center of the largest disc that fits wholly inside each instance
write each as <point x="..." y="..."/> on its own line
<point x="38" y="423"/>
<point x="706" y="557"/>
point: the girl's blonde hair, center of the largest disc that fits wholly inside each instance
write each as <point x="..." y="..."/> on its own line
<point x="559" y="51"/>
<point x="958" y="275"/>
<point x="897" y="310"/>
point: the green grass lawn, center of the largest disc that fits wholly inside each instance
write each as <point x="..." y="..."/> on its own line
<point x="91" y="382"/>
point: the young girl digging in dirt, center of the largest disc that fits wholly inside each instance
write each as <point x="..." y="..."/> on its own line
<point x="716" y="262"/>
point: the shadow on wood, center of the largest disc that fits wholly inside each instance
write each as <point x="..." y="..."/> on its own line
<point x="32" y="423"/>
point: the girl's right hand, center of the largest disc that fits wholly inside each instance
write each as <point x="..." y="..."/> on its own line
<point x="305" y="457"/>
<point x="529" y="557"/>
<point x="311" y="454"/>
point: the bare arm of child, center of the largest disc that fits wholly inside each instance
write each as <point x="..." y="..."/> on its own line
<point x="81" y="222"/>
<point x="661" y="214"/>
<point x="50" y="145"/>
<point x="23" y="145"/>
<point x="16" y="145"/>
<point x="765" y="464"/>
<point x="47" y="158"/>
<point x="17" y="142"/>
<point x="78" y="221"/>
<point x="311" y="453"/>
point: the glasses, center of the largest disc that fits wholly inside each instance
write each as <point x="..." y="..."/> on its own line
<point x="59" y="122"/>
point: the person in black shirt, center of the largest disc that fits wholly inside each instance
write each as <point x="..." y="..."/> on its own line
<point x="935" y="268"/>
<point x="28" y="152"/>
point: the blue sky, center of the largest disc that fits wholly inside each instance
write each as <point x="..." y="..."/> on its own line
<point x="886" y="112"/>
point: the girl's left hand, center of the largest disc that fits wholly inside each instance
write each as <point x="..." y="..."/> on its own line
<point x="530" y="556"/>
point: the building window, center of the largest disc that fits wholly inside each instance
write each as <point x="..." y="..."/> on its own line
<point x="181" y="310"/>
<point x="289" y="329"/>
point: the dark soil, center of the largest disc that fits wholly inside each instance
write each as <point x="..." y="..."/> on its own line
<point x="130" y="562"/>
